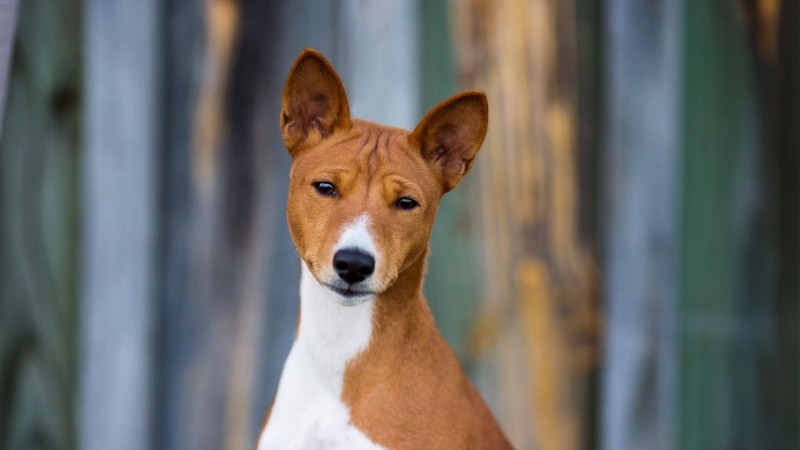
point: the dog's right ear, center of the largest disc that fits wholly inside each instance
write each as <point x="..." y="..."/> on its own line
<point x="314" y="102"/>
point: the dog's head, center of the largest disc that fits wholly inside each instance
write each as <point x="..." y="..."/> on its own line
<point x="362" y="196"/>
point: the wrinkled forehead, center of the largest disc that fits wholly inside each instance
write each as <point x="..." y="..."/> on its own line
<point x="367" y="153"/>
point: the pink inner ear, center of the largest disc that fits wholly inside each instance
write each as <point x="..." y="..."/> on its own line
<point x="450" y="143"/>
<point x="311" y="111"/>
<point x="450" y="150"/>
<point x="451" y="134"/>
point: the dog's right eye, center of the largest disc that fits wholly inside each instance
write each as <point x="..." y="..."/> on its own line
<point x="325" y="188"/>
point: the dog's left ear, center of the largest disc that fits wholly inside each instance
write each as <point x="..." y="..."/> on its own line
<point x="314" y="102"/>
<point x="451" y="134"/>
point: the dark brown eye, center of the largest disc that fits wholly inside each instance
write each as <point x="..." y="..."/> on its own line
<point x="406" y="203"/>
<point x="325" y="188"/>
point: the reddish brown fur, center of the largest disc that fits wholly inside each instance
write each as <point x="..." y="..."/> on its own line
<point x="406" y="389"/>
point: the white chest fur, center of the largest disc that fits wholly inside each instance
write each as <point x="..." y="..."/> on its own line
<point x="308" y="412"/>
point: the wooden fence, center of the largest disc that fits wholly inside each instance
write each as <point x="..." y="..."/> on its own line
<point x="620" y="271"/>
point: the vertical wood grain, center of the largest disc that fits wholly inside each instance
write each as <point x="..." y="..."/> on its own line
<point x="117" y="331"/>
<point x="40" y="155"/>
<point x="784" y="165"/>
<point x="733" y="373"/>
<point x="8" y="25"/>
<point x="540" y="311"/>
<point x="641" y="187"/>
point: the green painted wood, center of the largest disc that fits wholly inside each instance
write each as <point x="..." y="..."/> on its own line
<point x="8" y="28"/>
<point x="731" y="366"/>
<point x="716" y="87"/>
<point x="453" y="284"/>
<point x="39" y="204"/>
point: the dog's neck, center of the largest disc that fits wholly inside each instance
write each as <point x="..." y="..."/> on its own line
<point x="333" y="334"/>
<point x="329" y="333"/>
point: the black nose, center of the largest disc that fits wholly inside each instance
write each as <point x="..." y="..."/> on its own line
<point x="353" y="265"/>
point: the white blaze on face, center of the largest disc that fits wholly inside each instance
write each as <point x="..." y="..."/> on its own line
<point x="356" y="235"/>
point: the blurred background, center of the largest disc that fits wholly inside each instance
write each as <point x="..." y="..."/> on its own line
<point x="620" y="270"/>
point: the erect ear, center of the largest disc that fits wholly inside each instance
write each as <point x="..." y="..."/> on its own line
<point x="314" y="102"/>
<point x="451" y="134"/>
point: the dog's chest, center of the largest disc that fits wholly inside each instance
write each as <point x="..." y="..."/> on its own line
<point x="307" y="415"/>
<point x="308" y="412"/>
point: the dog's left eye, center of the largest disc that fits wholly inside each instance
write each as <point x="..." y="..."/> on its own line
<point x="325" y="188"/>
<point x="406" y="203"/>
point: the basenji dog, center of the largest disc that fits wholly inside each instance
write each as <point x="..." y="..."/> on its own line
<point x="368" y="368"/>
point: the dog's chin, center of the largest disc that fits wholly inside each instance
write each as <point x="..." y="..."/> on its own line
<point x="349" y="296"/>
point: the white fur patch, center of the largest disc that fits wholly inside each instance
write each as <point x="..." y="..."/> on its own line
<point x="356" y="235"/>
<point x="308" y="412"/>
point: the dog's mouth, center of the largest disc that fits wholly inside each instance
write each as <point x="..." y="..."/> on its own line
<point x="348" y="292"/>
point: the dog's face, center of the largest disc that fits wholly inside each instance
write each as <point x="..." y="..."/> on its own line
<point x="363" y="197"/>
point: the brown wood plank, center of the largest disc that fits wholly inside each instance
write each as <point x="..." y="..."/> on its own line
<point x="540" y="313"/>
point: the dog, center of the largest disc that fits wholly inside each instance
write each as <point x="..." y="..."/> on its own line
<point x="368" y="368"/>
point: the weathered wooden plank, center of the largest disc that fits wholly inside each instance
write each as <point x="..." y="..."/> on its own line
<point x="783" y="167"/>
<point x="591" y="45"/>
<point x="376" y="53"/>
<point x="119" y="223"/>
<point x="39" y="198"/>
<point x="732" y="370"/>
<point x="213" y="308"/>
<point x="716" y="136"/>
<point x="183" y="47"/>
<point x="640" y="181"/>
<point x="540" y="307"/>
<point x="8" y="25"/>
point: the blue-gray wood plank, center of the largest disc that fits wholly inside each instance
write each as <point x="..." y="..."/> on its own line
<point x="640" y="173"/>
<point x="117" y="310"/>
